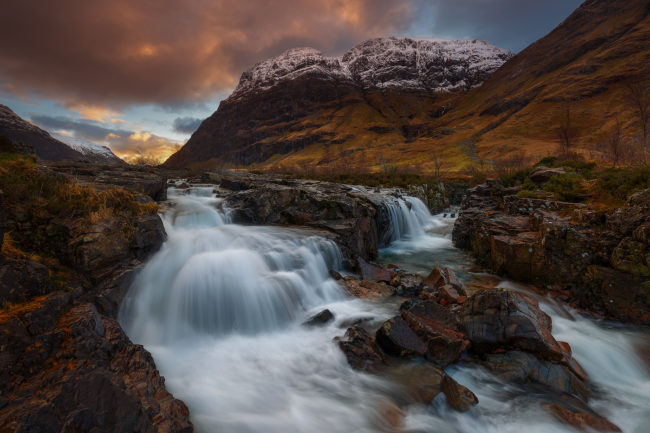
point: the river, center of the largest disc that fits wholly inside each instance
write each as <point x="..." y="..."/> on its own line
<point x="221" y="307"/>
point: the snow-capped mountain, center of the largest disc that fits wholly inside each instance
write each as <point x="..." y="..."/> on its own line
<point x="92" y="151"/>
<point x="384" y="91"/>
<point x="423" y="64"/>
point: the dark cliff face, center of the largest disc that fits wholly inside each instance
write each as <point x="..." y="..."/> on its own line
<point x="390" y="88"/>
<point x="27" y="138"/>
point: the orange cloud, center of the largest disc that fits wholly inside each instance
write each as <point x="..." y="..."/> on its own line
<point x="111" y="53"/>
<point x="96" y="113"/>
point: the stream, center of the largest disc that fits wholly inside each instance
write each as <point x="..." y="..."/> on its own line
<point x="221" y="307"/>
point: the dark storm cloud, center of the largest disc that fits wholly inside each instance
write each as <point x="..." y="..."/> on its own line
<point x="512" y="24"/>
<point x="186" y="125"/>
<point x="120" y="52"/>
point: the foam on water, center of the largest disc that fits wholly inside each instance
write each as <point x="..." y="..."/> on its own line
<point x="220" y="308"/>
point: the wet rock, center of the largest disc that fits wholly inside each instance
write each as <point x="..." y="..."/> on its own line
<point x="22" y="279"/>
<point x="544" y="174"/>
<point x="320" y="319"/>
<point x="372" y="272"/>
<point x="100" y="248"/>
<point x="366" y="289"/>
<point x="498" y="318"/>
<point x="397" y="339"/>
<point x="361" y="351"/>
<point x="522" y="367"/>
<point x="579" y="415"/>
<point x="458" y="397"/>
<point x="422" y="381"/>
<point x="444" y="277"/>
<point x="437" y="327"/>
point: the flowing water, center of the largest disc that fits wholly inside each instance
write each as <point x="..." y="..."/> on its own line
<point x="220" y="307"/>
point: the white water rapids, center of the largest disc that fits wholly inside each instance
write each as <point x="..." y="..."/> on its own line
<point x="220" y="307"/>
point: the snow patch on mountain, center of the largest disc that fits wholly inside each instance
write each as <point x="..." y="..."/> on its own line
<point x="423" y="64"/>
<point x="88" y="149"/>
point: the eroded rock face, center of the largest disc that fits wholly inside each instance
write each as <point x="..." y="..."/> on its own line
<point x="601" y="257"/>
<point x="77" y="372"/>
<point x="352" y="215"/>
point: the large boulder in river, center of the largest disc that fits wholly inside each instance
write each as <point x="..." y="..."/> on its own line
<point x="360" y="350"/>
<point x="521" y="367"/>
<point x="396" y="338"/>
<point x="496" y="318"/>
<point x="438" y="328"/>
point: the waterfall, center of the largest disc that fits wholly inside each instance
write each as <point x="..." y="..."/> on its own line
<point x="407" y="218"/>
<point x="217" y="278"/>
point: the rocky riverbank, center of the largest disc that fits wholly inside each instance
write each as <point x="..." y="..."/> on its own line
<point x="66" y="363"/>
<point x="503" y="330"/>
<point x="357" y="218"/>
<point x="597" y="259"/>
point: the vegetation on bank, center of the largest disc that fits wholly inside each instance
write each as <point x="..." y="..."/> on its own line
<point x="581" y="181"/>
<point x="39" y="202"/>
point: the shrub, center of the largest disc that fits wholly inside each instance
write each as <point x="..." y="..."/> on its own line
<point x="566" y="187"/>
<point x="619" y="183"/>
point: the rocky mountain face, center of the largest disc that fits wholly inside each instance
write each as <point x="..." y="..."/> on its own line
<point x="382" y="87"/>
<point x="19" y="136"/>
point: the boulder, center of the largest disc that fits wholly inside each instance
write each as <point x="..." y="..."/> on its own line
<point x="360" y="350"/>
<point x="632" y="257"/>
<point x="578" y="415"/>
<point x="521" y="367"/>
<point x="458" y="397"/>
<point x="544" y="174"/>
<point x="320" y="319"/>
<point x="497" y="318"/>
<point x="396" y="338"/>
<point x="366" y="289"/>
<point x="372" y="272"/>
<point x="423" y="382"/>
<point x="437" y="327"/>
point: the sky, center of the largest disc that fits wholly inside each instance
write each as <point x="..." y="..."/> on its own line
<point x="140" y="75"/>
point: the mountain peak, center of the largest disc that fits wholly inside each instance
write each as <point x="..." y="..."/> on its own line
<point x="413" y="63"/>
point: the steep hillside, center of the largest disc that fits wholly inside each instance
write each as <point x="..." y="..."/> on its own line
<point x="383" y="92"/>
<point x="20" y="136"/>
<point x="583" y="67"/>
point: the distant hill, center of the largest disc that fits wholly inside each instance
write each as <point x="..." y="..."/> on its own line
<point x="91" y="151"/>
<point x="21" y="136"/>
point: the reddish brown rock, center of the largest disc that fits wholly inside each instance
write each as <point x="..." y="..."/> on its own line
<point x="360" y="350"/>
<point x="367" y="289"/>
<point x="372" y="272"/>
<point x="458" y="397"/>
<point x="437" y="327"/>
<point x="580" y="416"/>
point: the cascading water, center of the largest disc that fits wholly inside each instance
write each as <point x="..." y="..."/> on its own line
<point x="220" y="307"/>
<point x="408" y="218"/>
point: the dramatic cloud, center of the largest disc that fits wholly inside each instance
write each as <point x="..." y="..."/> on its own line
<point x="112" y="53"/>
<point x="186" y="125"/>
